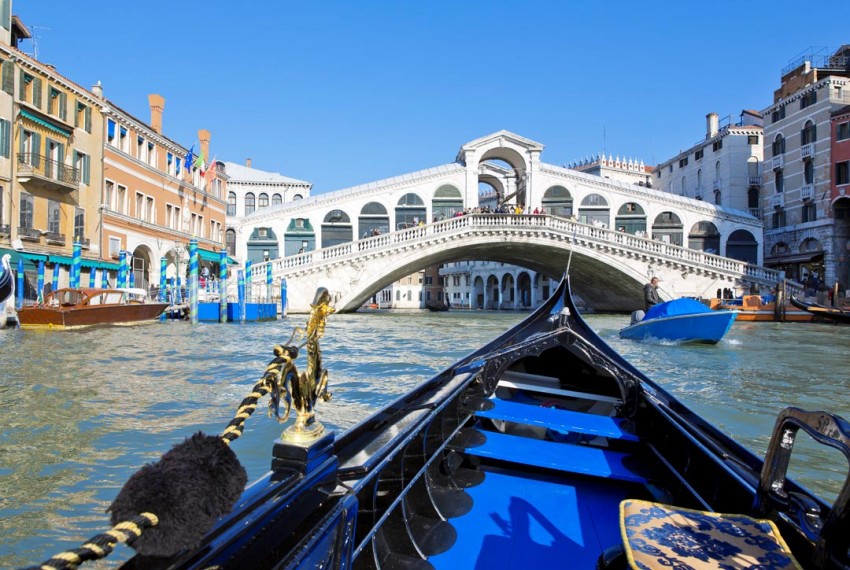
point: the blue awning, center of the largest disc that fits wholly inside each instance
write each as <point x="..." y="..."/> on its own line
<point x="46" y="124"/>
<point x="30" y="259"/>
<point x="96" y="263"/>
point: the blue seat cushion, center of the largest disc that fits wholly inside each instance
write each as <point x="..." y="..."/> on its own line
<point x="657" y="535"/>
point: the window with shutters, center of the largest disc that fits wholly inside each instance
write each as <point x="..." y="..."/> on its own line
<point x="79" y="224"/>
<point x="82" y="118"/>
<point x="30" y="89"/>
<point x="8" y="78"/>
<point x="82" y="162"/>
<point x="30" y="148"/>
<point x="53" y="212"/>
<point x="27" y="208"/>
<point x="5" y="138"/>
<point x="57" y="103"/>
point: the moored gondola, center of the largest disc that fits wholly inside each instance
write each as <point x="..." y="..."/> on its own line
<point x="7" y="281"/>
<point x="835" y="314"/>
<point x="544" y="448"/>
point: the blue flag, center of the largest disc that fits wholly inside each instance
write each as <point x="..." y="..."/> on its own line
<point x="187" y="161"/>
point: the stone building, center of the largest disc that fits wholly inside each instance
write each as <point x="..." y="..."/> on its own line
<point x="804" y="210"/>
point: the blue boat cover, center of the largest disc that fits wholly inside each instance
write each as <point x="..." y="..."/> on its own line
<point x="676" y="307"/>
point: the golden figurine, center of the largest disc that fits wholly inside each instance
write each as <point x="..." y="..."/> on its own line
<point x="301" y="390"/>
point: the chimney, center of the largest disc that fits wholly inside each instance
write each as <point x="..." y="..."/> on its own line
<point x="157" y="103"/>
<point x="97" y="90"/>
<point x="710" y="125"/>
<point x="204" y="137"/>
<point x="248" y="162"/>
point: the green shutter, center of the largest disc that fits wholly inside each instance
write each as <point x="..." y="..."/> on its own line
<point x="22" y="86"/>
<point x="63" y="106"/>
<point x="6" y="148"/>
<point x="36" y="92"/>
<point x="36" y="150"/>
<point x="87" y="119"/>
<point x="21" y="149"/>
<point x="9" y="77"/>
<point x="86" y="169"/>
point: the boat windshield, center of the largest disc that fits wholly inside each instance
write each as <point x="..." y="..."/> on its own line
<point x="676" y="307"/>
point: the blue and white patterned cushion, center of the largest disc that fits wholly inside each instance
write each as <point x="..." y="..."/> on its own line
<point x="663" y="536"/>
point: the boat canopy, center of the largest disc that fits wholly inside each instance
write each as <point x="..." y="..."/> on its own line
<point x="676" y="307"/>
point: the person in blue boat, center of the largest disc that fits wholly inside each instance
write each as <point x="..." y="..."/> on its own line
<point x="650" y="294"/>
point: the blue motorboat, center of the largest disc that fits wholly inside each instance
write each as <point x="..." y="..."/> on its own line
<point x="681" y="320"/>
<point x="542" y="449"/>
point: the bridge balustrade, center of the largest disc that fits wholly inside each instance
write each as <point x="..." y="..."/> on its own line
<point x="571" y="230"/>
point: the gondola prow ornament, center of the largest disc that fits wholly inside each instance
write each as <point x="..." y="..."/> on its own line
<point x="302" y="390"/>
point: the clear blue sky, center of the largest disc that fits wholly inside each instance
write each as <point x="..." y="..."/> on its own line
<point x="342" y="93"/>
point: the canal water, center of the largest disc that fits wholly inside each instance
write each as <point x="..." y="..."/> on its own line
<point x="83" y="410"/>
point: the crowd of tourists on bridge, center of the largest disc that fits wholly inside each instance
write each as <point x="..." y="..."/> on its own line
<point x="517" y="209"/>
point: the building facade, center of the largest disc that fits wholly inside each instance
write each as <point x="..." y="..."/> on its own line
<point x="158" y="195"/>
<point x="723" y="168"/>
<point x="804" y="210"/>
<point x="629" y="171"/>
<point x="840" y="192"/>
<point x="51" y="148"/>
<point x="251" y="189"/>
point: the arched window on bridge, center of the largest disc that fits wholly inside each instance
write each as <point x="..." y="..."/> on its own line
<point x="231" y="203"/>
<point x="373" y="220"/>
<point x="277" y="200"/>
<point x="631" y="219"/>
<point x="230" y="241"/>
<point x="668" y="228"/>
<point x="297" y="197"/>
<point x="336" y="229"/>
<point x="409" y="211"/>
<point x="262" y="245"/>
<point x="594" y="210"/>
<point x="249" y="203"/>
<point x="263" y="201"/>
<point x="704" y="236"/>
<point x="299" y="237"/>
<point x="742" y="245"/>
<point x="447" y="202"/>
<point x="557" y="201"/>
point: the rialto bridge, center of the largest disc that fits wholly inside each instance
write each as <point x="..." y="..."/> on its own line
<point x="357" y="241"/>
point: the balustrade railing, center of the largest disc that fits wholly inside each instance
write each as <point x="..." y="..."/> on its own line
<point x="565" y="229"/>
<point x="29" y="233"/>
<point x="31" y="163"/>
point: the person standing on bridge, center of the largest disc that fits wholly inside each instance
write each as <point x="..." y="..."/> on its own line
<point x="650" y="294"/>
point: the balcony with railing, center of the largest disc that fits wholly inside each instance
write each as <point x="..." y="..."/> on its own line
<point x="84" y="242"/>
<point x="29" y="234"/>
<point x="715" y="185"/>
<point x="5" y="230"/>
<point x="755" y="212"/>
<point x="754" y="179"/>
<point x="55" y="238"/>
<point x="47" y="173"/>
<point x="807" y="150"/>
<point x="777" y="200"/>
<point x="807" y="192"/>
<point x="698" y="193"/>
<point x="777" y="162"/>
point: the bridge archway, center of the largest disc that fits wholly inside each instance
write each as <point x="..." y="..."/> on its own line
<point x="668" y="227"/>
<point x="704" y="236"/>
<point x="631" y="218"/>
<point x="515" y="167"/>
<point x="523" y="285"/>
<point x="140" y="266"/>
<point x="447" y="202"/>
<point x="508" y="292"/>
<point x="409" y="211"/>
<point x="594" y="210"/>
<point x="557" y="201"/>
<point x="336" y="228"/>
<point x="477" y="301"/>
<point x="742" y="245"/>
<point x="373" y="220"/>
<point x="493" y="297"/>
<point x="263" y="245"/>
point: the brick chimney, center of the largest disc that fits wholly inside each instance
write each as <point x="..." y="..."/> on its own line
<point x="248" y="162"/>
<point x="204" y="137"/>
<point x="157" y="103"/>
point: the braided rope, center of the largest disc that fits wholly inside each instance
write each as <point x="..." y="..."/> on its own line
<point x="100" y="546"/>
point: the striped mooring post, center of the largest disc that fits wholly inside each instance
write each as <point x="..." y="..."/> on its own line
<point x="248" y="281"/>
<point x="19" y="294"/>
<point x="93" y="277"/>
<point x="55" y="281"/>
<point x="163" y="295"/>
<point x="222" y="286"/>
<point x="39" y="284"/>
<point x="76" y="265"/>
<point x="104" y="279"/>
<point x="122" y="268"/>
<point x="283" y="296"/>
<point x="240" y="292"/>
<point x="268" y="282"/>
<point x="193" y="281"/>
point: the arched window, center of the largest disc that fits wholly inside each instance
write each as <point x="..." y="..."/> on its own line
<point x="298" y="197"/>
<point x="250" y="205"/>
<point x="699" y="178"/>
<point x="230" y="241"/>
<point x="778" y="146"/>
<point x="809" y="134"/>
<point x="263" y="202"/>
<point x="277" y="200"/>
<point x="231" y="203"/>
